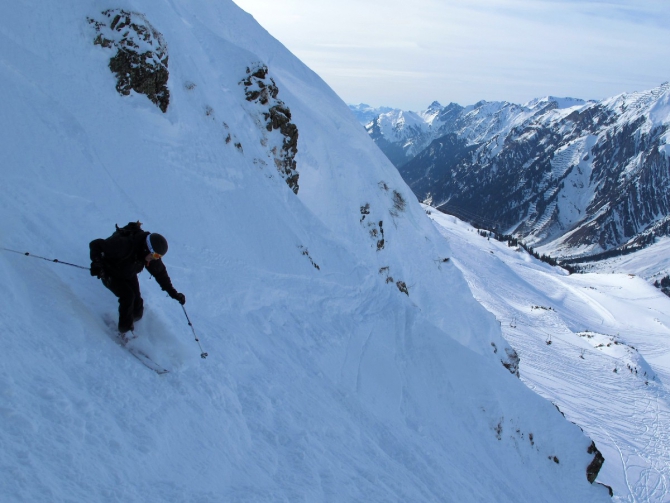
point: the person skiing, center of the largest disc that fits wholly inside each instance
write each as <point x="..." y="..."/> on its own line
<point x="118" y="260"/>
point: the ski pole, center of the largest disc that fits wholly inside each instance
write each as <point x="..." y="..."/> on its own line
<point x="28" y="254"/>
<point x="202" y="353"/>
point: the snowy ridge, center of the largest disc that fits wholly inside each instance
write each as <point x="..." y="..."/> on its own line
<point x="560" y="103"/>
<point x="476" y="124"/>
<point x="406" y="128"/>
<point x="487" y="120"/>
<point x="652" y="104"/>
<point x="348" y="359"/>
<point x="365" y="113"/>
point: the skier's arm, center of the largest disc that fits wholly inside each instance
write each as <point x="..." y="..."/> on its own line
<point x="158" y="271"/>
<point x="96" y="248"/>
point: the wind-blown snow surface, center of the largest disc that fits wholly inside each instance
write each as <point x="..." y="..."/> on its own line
<point x="322" y="384"/>
<point x="597" y="345"/>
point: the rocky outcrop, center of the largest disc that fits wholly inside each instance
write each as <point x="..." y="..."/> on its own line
<point x="594" y="467"/>
<point x="282" y="135"/>
<point x="141" y="59"/>
<point x="512" y="361"/>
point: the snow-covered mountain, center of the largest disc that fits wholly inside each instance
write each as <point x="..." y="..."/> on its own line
<point x="348" y="359"/>
<point x="403" y="134"/>
<point x="365" y="113"/>
<point x="571" y="177"/>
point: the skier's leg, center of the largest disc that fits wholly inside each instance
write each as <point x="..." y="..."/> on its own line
<point x="125" y="291"/>
<point x="138" y="305"/>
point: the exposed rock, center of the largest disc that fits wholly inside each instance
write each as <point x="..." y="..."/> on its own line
<point x="512" y="362"/>
<point x="594" y="468"/>
<point x="262" y="90"/>
<point x="609" y="489"/>
<point x="365" y="211"/>
<point x="141" y="60"/>
<point x="401" y="285"/>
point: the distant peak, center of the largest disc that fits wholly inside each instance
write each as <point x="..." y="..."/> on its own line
<point x="560" y="102"/>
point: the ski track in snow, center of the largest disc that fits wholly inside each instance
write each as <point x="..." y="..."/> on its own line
<point x="627" y="415"/>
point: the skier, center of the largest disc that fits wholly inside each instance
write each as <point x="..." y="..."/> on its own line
<point x="118" y="260"/>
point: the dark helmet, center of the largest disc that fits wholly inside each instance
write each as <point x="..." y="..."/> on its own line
<point x="157" y="243"/>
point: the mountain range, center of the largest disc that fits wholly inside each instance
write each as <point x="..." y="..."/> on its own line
<point x="570" y="177"/>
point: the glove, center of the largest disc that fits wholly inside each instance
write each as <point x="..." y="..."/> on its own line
<point x="179" y="297"/>
<point x="96" y="269"/>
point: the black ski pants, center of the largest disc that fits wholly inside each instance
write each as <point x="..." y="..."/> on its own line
<point x="131" y="305"/>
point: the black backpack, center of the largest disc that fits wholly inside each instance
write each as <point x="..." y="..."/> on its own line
<point x="127" y="231"/>
<point x="127" y="234"/>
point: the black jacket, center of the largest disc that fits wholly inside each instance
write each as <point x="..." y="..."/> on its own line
<point x="123" y="257"/>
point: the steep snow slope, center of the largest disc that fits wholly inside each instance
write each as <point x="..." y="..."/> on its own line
<point x="596" y="345"/>
<point x="347" y="362"/>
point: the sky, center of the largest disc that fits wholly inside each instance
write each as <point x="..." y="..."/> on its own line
<point x="408" y="54"/>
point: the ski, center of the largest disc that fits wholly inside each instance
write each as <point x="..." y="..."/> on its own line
<point x="145" y="359"/>
<point x="123" y="340"/>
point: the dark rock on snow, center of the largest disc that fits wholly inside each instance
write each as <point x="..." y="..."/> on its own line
<point x="141" y="60"/>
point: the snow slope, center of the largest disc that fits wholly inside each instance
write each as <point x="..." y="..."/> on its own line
<point x="596" y="345"/>
<point x="324" y="381"/>
<point x="652" y="263"/>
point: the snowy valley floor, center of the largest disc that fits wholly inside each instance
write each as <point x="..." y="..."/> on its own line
<point x="596" y="345"/>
